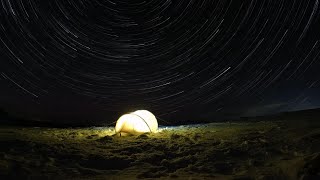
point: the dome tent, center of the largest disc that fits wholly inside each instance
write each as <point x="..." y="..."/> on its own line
<point x="141" y="121"/>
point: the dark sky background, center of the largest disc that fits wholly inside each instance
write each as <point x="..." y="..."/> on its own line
<point x="92" y="60"/>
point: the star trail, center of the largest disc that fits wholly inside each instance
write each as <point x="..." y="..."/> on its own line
<point x="166" y="56"/>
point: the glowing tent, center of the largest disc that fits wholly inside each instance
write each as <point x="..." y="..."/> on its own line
<point x="141" y="121"/>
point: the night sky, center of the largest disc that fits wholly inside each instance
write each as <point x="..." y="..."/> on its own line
<point x="92" y="60"/>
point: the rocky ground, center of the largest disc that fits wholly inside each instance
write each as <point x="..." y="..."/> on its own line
<point x="247" y="150"/>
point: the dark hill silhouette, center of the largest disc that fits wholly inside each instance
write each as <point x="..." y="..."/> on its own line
<point x="7" y="119"/>
<point x="301" y="115"/>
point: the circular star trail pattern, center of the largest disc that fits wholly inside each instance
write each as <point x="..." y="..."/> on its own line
<point x="160" y="54"/>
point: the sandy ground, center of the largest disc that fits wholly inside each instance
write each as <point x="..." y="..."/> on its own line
<point x="256" y="150"/>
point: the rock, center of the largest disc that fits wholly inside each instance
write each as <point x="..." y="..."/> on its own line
<point x="92" y="136"/>
<point x="196" y="137"/>
<point x="175" y="136"/>
<point x="105" y="139"/>
<point x="143" y="136"/>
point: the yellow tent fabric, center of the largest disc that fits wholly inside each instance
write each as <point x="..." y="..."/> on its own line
<point x="141" y="121"/>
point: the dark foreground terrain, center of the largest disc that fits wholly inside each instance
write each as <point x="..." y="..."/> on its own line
<point x="281" y="149"/>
